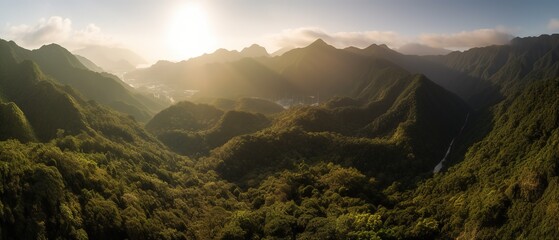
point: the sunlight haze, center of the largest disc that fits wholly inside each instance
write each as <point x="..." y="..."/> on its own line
<point x="177" y="30"/>
<point x="190" y="33"/>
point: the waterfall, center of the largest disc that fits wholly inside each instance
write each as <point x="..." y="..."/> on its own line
<point x="440" y="165"/>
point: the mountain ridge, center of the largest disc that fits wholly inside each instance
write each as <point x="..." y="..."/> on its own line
<point x="66" y="69"/>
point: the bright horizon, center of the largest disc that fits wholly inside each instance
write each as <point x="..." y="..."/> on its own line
<point x="178" y="30"/>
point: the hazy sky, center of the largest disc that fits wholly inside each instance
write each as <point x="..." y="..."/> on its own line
<point x="173" y="29"/>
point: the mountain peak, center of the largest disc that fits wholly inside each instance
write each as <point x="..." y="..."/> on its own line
<point x="14" y="123"/>
<point x="381" y="50"/>
<point x="53" y="46"/>
<point x="221" y="51"/>
<point x="253" y="46"/>
<point x="319" y="43"/>
<point x="59" y="55"/>
<point x="377" y="46"/>
<point x="9" y="43"/>
<point x="254" y="50"/>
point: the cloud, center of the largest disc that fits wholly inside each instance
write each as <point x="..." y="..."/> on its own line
<point x="467" y="39"/>
<point x="300" y="37"/>
<point x="421" y="50"/>
<point x="57" y="30"/>
<point x="553" y="24"/>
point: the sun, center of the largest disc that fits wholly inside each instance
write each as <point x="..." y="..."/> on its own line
<point x="189" y="33"/>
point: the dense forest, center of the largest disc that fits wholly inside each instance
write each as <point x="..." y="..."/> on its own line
<point x="85" y="156"/>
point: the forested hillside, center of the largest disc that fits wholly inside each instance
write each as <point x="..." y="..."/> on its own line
<point x="65" y="68"/>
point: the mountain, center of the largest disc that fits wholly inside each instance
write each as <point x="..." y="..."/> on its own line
<point x="220" y="74"/>
<point x="298" y="76"/>
<point x="89" y="64"/>
<point x="114" y="60"/>
<point x="302" y="73"/>
<point x="375" y="50"/>
<point x="254" y="51"/>
<point x="195" y="128"/>
<point x="501" y="182"/>
<point x="421" y="118"/>
<point x="466" y="86"/>
<point x="392" y="107"/>
<point x="39" y="102"/>
<point x="505" y="186"/>
<point x="223" y="55"/>
<point x="243" y="78"/>
<point x="224" y="74"/>
<point x="66" y="69"/>
<point x="319" y="69"/>
<point x="14" y="124"/>
<point x="280" y="51"/>
<point x="185" y="116"/>
<point x="509" y="66"/>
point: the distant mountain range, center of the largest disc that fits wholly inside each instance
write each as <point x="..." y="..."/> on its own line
<point x="407" y="49"/>
<point x="318" y="69"/>
<point x="223" y="55"/>
<point x="111" y="59"/>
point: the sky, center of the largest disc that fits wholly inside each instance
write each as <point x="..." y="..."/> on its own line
<point x="180" y="29"/>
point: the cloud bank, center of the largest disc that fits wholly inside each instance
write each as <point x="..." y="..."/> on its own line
<point x="292" y="38"/>
<point x="553" y="24"/>
<point x="300" y="37"/>
<point x="57" y="30"/>
<point x="467" y="39"/>
<point x="421" y="50"/>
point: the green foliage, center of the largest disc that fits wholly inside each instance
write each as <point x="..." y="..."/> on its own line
<point x="44" y="104"/>
<point x="14" y="124"/>
<point x="194" y="129"/>
<point x="510" y="67"/>
<point x="506" y="179"/>
<point x="258" y="105"/>
<point x="359" y="226"/>
<point x="97" y="174"/>
<point x="243" y="104"/>
<point x="102" y="219"/>
<point x="234" y="123"/>
<point x="411" y="132"/>
<point x="185" y="116"/>
<point x="224" y="104"/>
<point x="100" y="188"/>
<point x="307" y="203"/>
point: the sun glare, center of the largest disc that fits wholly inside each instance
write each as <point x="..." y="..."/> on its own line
<point x="189" y="33"/>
